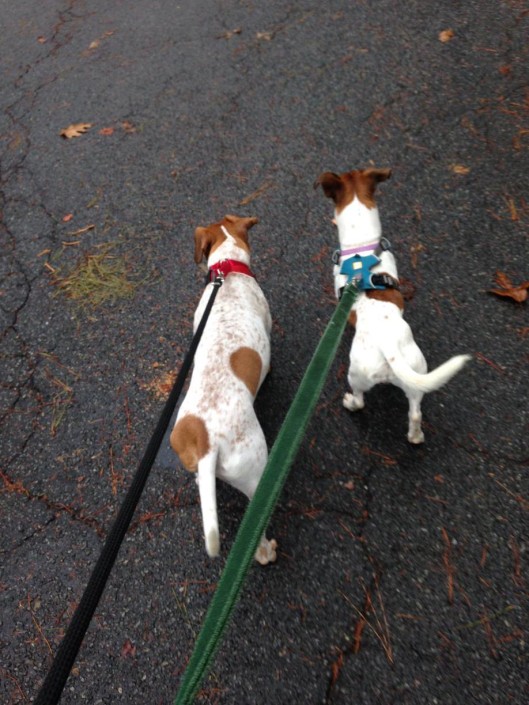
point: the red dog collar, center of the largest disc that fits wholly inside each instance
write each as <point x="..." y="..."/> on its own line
<point x="227" y="266"/>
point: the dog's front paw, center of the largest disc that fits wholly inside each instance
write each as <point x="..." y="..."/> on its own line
<point x="352" y="403"/>
<point x="266" y="553"/>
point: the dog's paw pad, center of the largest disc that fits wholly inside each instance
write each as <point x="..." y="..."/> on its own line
<point x="266" y="553"/>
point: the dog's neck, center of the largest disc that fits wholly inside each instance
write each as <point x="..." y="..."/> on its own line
<point x="358" y="227"/>
<point x="359" y="232"/>
<point x="229" y="249"/>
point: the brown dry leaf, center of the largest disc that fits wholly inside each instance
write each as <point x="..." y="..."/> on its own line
<point x="266" y="36"/>
<point x="446" y="35"/>
<point x="128" y="126"/>
<point x="75" y="130"/>
<point x="460" y="169"/>
<point x="517" y="139"/>
<point x="230" y="33"/>
<point x="508" y="289"/>
<point x="106" y="131"/>
<point x="41" y="40"/>
<point x="503" y="280"/>
<point x="128" y="649"/>
<point x="512" y="209"/>
<point x="66" y="218"/>
<point x="161" y="386"/>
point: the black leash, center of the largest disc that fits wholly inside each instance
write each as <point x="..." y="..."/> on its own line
<point x="55" y="681"/>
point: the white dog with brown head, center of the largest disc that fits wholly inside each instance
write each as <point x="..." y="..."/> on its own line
<point x="217" y="433"/>
<point x="383" y="348"/>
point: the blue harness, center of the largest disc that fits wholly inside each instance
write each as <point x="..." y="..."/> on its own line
<point x="358" y="269"/>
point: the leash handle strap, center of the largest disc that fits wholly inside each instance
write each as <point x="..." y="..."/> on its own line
<point x="51" y="690"/>
<point x="262" y="505"/>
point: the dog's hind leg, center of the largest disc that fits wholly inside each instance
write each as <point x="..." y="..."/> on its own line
<point x="354" y="400"/>
<point x="415" y="433"/>
<point x="247" y="481"/>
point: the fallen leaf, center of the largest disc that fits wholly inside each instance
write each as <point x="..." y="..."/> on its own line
<point x="66" y="218"/>
<point x="512" y="209"/>
<point x="415" y="249"/>
<point x="106" y="131"/>
<point x="266" y="36"/>
<point x="518" y="293"/>
<point x="94" y="44"/>
<point x="508" y="289"/>
<point x="505" y="70"/>
<point x="517" y="139"/>
<point x="160" y="387"/>
<point x="502" y="280"/>
<point x="460" y="169"/>
<point x="75" y="130"/>
<point x="446" y="35"/>
<point x="128" y="126"/>
<point x="128" y="649"/>
<point x="230" y="33"/>
<point x="41" y="40"/>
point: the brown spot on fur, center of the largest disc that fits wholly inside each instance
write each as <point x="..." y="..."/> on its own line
<point x="343" y="188"/>
<point x="190" y="441"/>
<point x="391" y="296"/>
<point x="352" y="318"/>
<point x="246" y="364"/>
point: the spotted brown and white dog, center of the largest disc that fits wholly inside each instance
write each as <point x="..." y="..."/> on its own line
<point x="383" y="348"/>
<point x="217" y="433"/>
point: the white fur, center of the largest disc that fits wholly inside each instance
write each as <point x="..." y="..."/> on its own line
<point x="240" y="317"/>
<point x="383" y="348"/>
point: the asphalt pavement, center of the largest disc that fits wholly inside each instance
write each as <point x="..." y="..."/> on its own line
<point x="402" y="574"/>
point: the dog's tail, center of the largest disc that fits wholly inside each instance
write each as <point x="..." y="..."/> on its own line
<point x="427" y="382"/>
<point x="208" y="502"/>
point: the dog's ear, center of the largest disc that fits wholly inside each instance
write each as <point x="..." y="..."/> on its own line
<point x="241" y="223"/>
<point x="203" y="240"/>
<point x="377" y="175"/>
<point x="240" y="226"/>
<point x="331" y="184"/>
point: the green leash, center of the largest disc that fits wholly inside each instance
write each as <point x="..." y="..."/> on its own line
<point x="262" y="505"/>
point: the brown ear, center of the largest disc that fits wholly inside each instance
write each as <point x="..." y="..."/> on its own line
<point x="242" y="223"/>
<point x="240" y="226"/>
<point x="331" y="184"/>
<point x="378" y="175"/>
<point x="203" y="241"/>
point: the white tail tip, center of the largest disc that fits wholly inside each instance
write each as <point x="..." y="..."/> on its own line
<point x="213" y="543"/>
